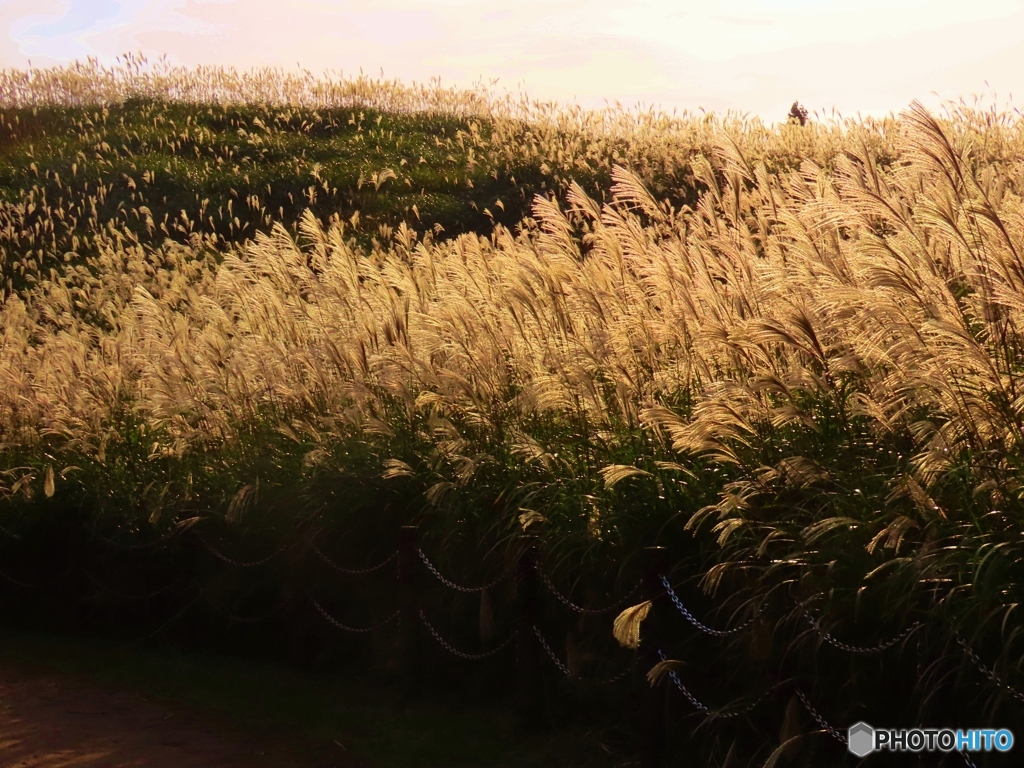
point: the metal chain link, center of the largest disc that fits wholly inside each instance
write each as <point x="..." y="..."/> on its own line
<point x="821" y="721"/>
<point x="842" y="739"/>
<point x="682" y="688"/>
<point x="856" y="648"/>
<point x="23" y="584"/>
<point x="990" y="674"/>
<point x="615" y="678"/>
<point x="565" y="668"/>
<point x="239" y="563"/>
<point x="451" y="584"/>
<point x="740" y="712"/>
<point x="551" y="653"/>
<point x="967" y="759"/>
<point x="134" y="547"/>
<point x="353" y="571"/>
<point x="693" y="620"/>
<point x="462" y="654"/>
<point x="343" y="627"/>
<point x="718" y="714"/>
<point x="579" y="609"/>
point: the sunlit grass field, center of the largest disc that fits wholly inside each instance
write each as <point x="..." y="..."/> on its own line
<point x="794" y="354"/>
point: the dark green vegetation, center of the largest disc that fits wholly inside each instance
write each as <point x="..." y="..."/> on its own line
<point x="230" y="172"/>
<point x="357" y="711"/>
<point x="144" y="171"/>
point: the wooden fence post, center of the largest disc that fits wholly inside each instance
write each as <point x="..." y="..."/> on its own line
<point x="652" y="750"/>
<point x="530" y="704"/>
<point x="410" y="643"/>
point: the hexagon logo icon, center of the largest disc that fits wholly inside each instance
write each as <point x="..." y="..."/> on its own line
<point x="860" y="738"/>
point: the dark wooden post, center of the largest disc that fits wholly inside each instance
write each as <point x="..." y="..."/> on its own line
<point x="530" y="704"/>
<point x="652" y="750"/>
<point x="410" y="642"/>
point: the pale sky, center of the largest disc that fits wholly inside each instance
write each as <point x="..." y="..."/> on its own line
<point x="753" y="56"/>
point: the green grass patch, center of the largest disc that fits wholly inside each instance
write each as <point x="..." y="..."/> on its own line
<point x="164" y="170"/>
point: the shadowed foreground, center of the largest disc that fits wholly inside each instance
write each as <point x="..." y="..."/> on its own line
<point x="52" y="721"/>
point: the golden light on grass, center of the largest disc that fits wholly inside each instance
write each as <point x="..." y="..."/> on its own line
<point x="626" y="627"/>
<point x="874" y="266"/>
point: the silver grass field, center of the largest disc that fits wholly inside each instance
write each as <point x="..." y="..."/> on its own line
<point x="816" y="372"/>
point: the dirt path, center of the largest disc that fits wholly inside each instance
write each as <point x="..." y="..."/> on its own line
<point x="49" y="720"/>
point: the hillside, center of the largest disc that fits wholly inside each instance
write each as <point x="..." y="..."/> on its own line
<point x="792" y="356"/>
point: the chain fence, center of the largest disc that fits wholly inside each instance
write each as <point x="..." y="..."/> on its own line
<point x="693" y="620"/>
<point x="990" y="674"/>
<point x="565" y="667"/>
<point x="462" y="654"/>
<point x="579" y="609"/>
<point x="353" y="571"/>
<point x="551" y="654"/>
<point x="815" y="714"/>
<point x="826" y="726"/>
<point x="451" y="584"/>
<point x="345" y="627"/>
<point x="836" y="734"/>
<point x="720" y="714"/>
<point x="884" y="646"/>
<point x="238" y="563"/>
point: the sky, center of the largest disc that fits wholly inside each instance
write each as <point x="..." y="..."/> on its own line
<point x="837" y="57"/>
